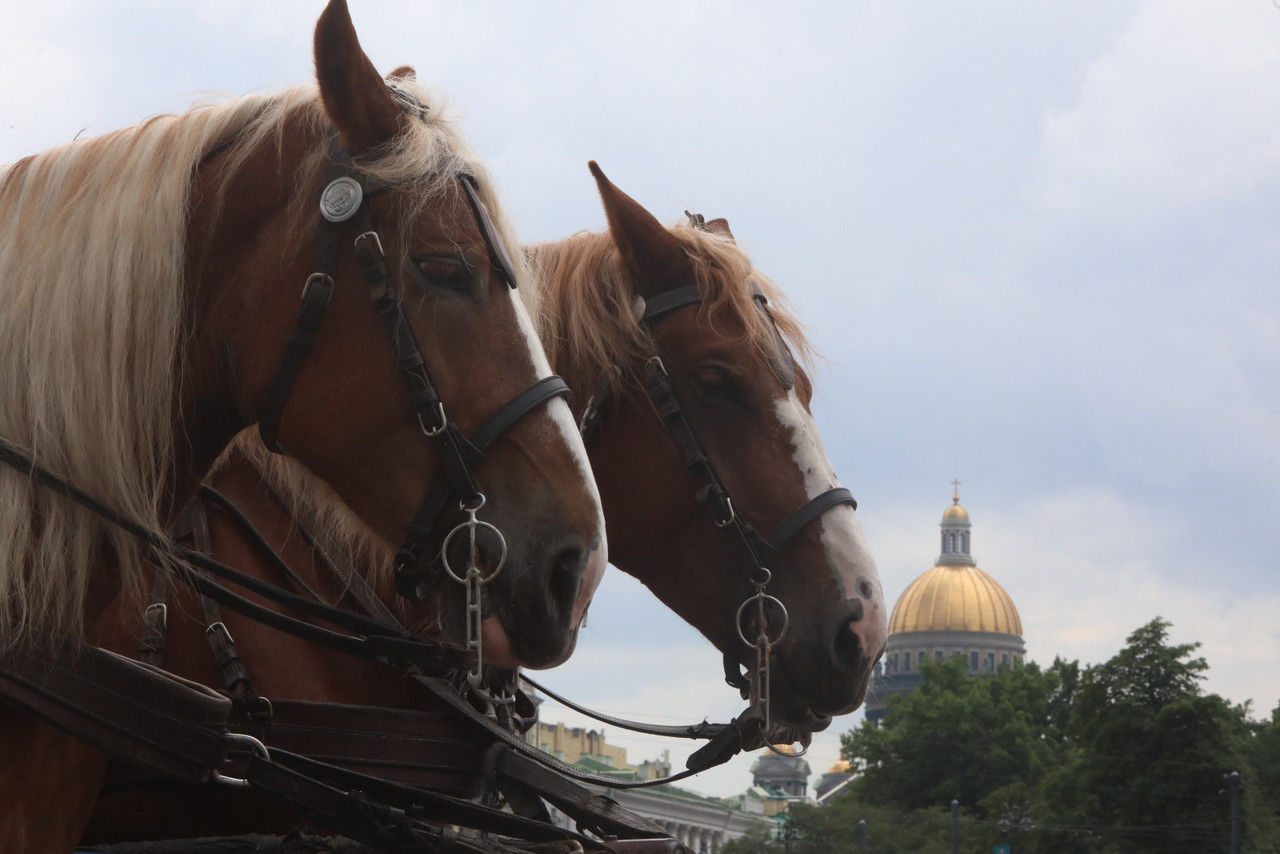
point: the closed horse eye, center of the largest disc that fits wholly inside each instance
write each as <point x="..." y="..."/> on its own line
<point x="450" y="272"/>
<point x="713" y="382"/>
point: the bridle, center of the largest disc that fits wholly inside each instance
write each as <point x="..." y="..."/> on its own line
<point x="757" y="550"/>
<point x="345" y="198"/>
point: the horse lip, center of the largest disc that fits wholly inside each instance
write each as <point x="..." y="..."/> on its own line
<point x="810" y="719"/>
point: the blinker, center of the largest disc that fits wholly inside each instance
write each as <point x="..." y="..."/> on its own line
<point x="497" y="249"/>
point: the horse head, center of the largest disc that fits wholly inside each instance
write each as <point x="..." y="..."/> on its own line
<point x="423" y="375"/>
<point x="712" y="472"/>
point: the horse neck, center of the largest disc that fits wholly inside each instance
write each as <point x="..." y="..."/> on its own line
<point x="225" y="277"/>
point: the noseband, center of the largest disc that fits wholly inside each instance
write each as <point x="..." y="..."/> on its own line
<point x="757" y="549"/>
<point x="344" y="198"/>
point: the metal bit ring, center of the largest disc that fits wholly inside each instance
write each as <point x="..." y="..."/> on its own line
<point x="762" y="598"/>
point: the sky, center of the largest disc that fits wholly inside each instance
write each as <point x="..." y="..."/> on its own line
<point x="1036" y="243"/>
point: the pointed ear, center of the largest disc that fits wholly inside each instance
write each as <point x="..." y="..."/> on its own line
<point x="354" y="95"/>
<point x="720" y="226"/>
<point x="655" y="258"/>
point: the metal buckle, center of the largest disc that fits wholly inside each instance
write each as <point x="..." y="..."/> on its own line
<point x="254" y="746"/>
<point x="726" y="503"/>
<point x="442" y="421"/>
<point x="312" y="279"/>
<point x="162" y="609"/>
<point x="376" y="239"/>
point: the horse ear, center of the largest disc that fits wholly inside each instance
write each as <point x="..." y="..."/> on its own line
<point x="720" y="226"/>
<point x="656" y="260"/>
<point x="354" y="95"/>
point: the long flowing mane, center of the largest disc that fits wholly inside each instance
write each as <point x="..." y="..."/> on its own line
<point x="92" y="256"/>
<point x="588" y="318"/>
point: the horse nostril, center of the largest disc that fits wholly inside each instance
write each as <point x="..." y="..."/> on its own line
<point x="848" y="647"/>
<point x="566" y="575"/>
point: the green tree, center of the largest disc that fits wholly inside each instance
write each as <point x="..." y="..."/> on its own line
<point x="1262" y="784"/>
<point x="957" y="736"/>
<point x="833" y="828"/>
<point x="1149" y="749"/>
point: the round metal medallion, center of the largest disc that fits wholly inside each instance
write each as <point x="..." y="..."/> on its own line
<point x="341" y="199"/>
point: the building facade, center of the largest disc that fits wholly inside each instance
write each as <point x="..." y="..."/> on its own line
<point x="701" y="823"/>
<point x="954" y="608"/>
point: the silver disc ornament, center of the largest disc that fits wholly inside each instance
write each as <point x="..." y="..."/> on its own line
<point x="341" y="199"/>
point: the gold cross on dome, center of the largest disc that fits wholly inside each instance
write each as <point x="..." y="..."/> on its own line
<point x="955" y="498"/>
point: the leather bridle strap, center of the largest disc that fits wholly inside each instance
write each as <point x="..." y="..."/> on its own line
<point x="457" y="453"/>
<point x="408" y="557"/>
<point x="316" y="294"/>
<point x="660" y="305"/>
<point x="711" y="490"/>
<point x="812" y="509"/>
<point x="423" y="397"/>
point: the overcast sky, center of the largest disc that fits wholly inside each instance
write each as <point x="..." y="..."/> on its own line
<point x="1037" y="242"/>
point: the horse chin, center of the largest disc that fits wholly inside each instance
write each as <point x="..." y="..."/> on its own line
<point x="496" y="645"/>
<point x="524" y="648"/>
<point x="791" y="708"/>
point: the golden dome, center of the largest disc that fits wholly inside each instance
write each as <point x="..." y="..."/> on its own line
<point x="784" y="748"/>
<point x="955" y="597"/>
<point x="955" y="511"/>
<point x="840" y="766"/>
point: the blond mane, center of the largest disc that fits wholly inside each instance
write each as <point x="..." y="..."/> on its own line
<point x="92" y="253"/>
<point x="588" y="320"/>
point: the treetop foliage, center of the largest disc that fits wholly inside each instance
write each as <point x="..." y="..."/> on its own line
<point x="1123" y="756"/>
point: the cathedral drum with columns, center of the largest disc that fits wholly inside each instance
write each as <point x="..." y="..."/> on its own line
<point x="955" y="608"/>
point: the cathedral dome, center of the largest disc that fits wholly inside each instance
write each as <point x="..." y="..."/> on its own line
<point x="955" y="597"/>
<point x="955" y="512"/>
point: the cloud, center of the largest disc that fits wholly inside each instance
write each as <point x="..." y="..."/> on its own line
<point x="1179" y="112"/>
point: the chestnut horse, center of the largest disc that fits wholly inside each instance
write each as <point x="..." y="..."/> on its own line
<point x="149" y="280"/>
<point x="748" y="403"/>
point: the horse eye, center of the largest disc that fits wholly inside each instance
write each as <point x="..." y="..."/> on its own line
<point x="447" y="272"/>
<point x="713" y="382"/>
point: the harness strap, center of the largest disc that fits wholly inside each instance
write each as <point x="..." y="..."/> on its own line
<point x="593" y="811"/>
<point x="316" y="294"/>
<point x="155" y="621"/>
<point x="133" y="710"/>
<point x="333" y="558"/>
<point x="226" y="655"/>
